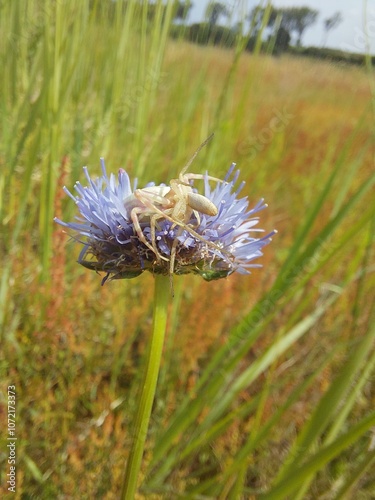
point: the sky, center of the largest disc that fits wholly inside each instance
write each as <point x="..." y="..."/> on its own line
<point x="350" y="35"/>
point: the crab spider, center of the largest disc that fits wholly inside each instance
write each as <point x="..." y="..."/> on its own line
<point x="176" y="203"/>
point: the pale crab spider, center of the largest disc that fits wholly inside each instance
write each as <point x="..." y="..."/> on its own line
<point x="176" y="203"/>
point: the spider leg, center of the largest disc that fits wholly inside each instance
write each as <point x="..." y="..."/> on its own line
<point x="153" y="220"/>
<point x="190" y="230"/>
<point x="181" y="211"/>
<point x="196" y="213"/>
<point x="173" y="259"/>
<point x="193" y="233"/>
<point x="173" y="252"/>
<point x="188" y="177"/>
<point x="195" y="154"/>
<point x="135" y="219"/>
<point x="154" y="209"/>
<point x="150" y="196"/>
<point x="171" y="264"/>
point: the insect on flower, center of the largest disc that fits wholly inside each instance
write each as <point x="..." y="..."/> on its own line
<point x="177" y="203"/>
<point x="166" y="229"/>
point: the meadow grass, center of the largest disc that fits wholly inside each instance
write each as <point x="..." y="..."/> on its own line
<point x="266" y="386"/>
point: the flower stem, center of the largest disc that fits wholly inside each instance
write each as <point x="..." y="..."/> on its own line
<point x="161" y="296"/>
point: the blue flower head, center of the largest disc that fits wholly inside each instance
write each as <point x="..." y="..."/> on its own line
<point x="166" y="229"/>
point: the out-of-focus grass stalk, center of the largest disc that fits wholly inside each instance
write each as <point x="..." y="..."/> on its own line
<point x="364" y="464"/>
<point x="227" y="85"/>
<point x="322" y="457"/>
<point x="330" y="410"/>
<point x="265" y="19"/>
<point x="152" y="52"/>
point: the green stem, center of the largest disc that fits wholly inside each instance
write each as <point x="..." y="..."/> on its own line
<point x="161" y="296"/>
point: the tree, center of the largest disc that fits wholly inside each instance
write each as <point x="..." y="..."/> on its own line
<point x="282" y="40"/>
<point x="297" y="19"/>
<point x="330" y="23"/>
<point x="182" y="9"/>
<point x="213" y="11"/>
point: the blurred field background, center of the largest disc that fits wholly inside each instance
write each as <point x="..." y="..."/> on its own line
<point x="267" y="382"/>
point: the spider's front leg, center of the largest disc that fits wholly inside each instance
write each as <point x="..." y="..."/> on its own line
<point x="153" y="222"/>
<point x="135" y="219"/>
<point x="152" y="202"/>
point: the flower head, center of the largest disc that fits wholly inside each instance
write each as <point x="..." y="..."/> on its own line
<point x="166" y="229"/>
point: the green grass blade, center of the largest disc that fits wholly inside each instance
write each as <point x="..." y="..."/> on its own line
<point x="366" y="463"/>
<point x="213" y="485"/>
<point x="290" y="483"/>
<point x="326" y="411"/>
